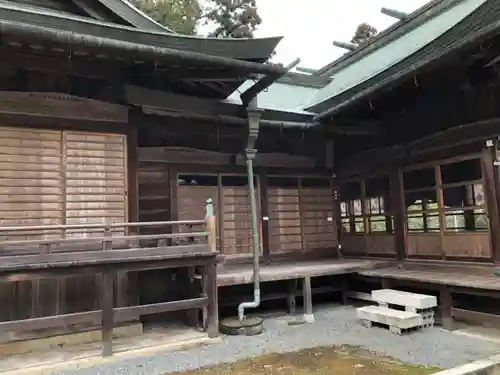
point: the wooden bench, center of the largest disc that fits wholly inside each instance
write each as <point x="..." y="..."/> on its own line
<point x="398" y="321"/>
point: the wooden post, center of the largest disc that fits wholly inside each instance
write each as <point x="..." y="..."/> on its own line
<point x="442" y="216"/>
<point x="386" y="283"/>
<point x="446" y="304"/>
<point x="213" y="303"/>
<point x="210" y="225"/>
<point x="337" y="215"/>
<point x="491" y="192"/>
<point x="292" y="289"/>
<point x="107" y="312"/>
<point x="307" y="292"/>
<point x="399" y="211"/>
<point x="344" y="289"/>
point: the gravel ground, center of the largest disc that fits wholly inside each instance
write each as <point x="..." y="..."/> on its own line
<point x="333" y="326"/>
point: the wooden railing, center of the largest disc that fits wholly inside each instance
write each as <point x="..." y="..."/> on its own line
<point x="122" y="253"/>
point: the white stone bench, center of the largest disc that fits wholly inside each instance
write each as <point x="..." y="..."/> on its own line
<point x="410" y="301"/>
<point x="395" y="319"/>
<point x="413" y="302"/>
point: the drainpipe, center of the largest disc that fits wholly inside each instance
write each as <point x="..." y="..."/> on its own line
<point x="254" y="115"/>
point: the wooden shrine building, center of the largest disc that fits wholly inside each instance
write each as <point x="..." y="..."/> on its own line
<point x="423" y="188"/>
<point x="123" y="154"/>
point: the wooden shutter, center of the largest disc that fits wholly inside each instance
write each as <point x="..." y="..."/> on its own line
<point x="31" y="181"/>
<point x="95" y="178"/>
<point x="238" y="219"/>
<point x="284" y="216"/>
<point x="318" y="222"/>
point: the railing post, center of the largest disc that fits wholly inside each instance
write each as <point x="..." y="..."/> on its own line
<point x="210" y="225"/>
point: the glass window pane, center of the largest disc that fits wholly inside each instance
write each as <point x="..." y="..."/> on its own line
<point x="415" y="222"/>
<point x="378" y="224"/>
<point x="357" y="207"/>
<point x="479" y="195"/>
<point x="359" y="225"/>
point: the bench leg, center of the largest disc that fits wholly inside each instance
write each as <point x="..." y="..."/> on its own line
<point x="292" y="289"/>
<point x="366" y="323"/>
<point x="306" y="290"/>
<point x="395" y="330"/>
<point x="446" y="304"/>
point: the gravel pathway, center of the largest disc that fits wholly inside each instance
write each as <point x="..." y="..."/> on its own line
<point x="335" y="325"/>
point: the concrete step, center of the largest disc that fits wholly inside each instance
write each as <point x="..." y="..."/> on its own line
<point x="401" y="320"/>
<point x="411" y="301"/>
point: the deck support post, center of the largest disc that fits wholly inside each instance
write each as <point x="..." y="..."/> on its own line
<point x="307" y="290"/>
<point x="386" y="283"/>
<point x="344" y="289"/>
<point x="107" y="312"/>
<point x="446" y="304"/>
<point x="213" y="305"/>
<point x="292" y="290"/>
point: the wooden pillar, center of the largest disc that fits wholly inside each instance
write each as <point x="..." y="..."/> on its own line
<point x="337" y="215"/>
<point x="399" y="213"/>
<point x="213" y="304"/>
<point x="492" y="193"/>
<point x="107" y="312"/>
<point x="264" y="210"/>
<point x="440" y="201"/>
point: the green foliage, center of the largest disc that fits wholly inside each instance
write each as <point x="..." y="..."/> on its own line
<point x="180" y="16"/>
<point x="363" y="33"/>
<point x="232" y="18"/>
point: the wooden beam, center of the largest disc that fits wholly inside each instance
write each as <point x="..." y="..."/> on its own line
<point x="470" y="133"/>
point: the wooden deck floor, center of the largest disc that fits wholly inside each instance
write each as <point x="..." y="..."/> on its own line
<point x="470" y="277"/>
<point x="242" y="273"/>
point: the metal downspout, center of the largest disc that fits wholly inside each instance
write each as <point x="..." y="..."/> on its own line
<point x="254" y="115"/>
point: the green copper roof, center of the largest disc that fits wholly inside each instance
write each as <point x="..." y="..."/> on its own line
<point x="380" y="60"/>
<point x="290" y="93"/>
<point x="431" y="9"/>
<point x="474" y="25"/>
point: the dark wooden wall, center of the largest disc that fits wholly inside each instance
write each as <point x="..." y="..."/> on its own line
<point x="295" y="206"/>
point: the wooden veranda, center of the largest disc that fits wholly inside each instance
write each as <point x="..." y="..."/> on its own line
<point x="111" y="252"/>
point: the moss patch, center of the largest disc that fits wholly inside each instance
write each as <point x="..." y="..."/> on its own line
<point x="342" y="360"/>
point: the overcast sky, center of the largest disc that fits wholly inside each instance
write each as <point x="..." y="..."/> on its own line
<point x="310" y="26"/>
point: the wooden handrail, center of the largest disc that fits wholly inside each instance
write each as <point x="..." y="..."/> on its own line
<point x="100" y="226"/>
<point x="102" y="239"/>
<point x="106" y="239"/>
